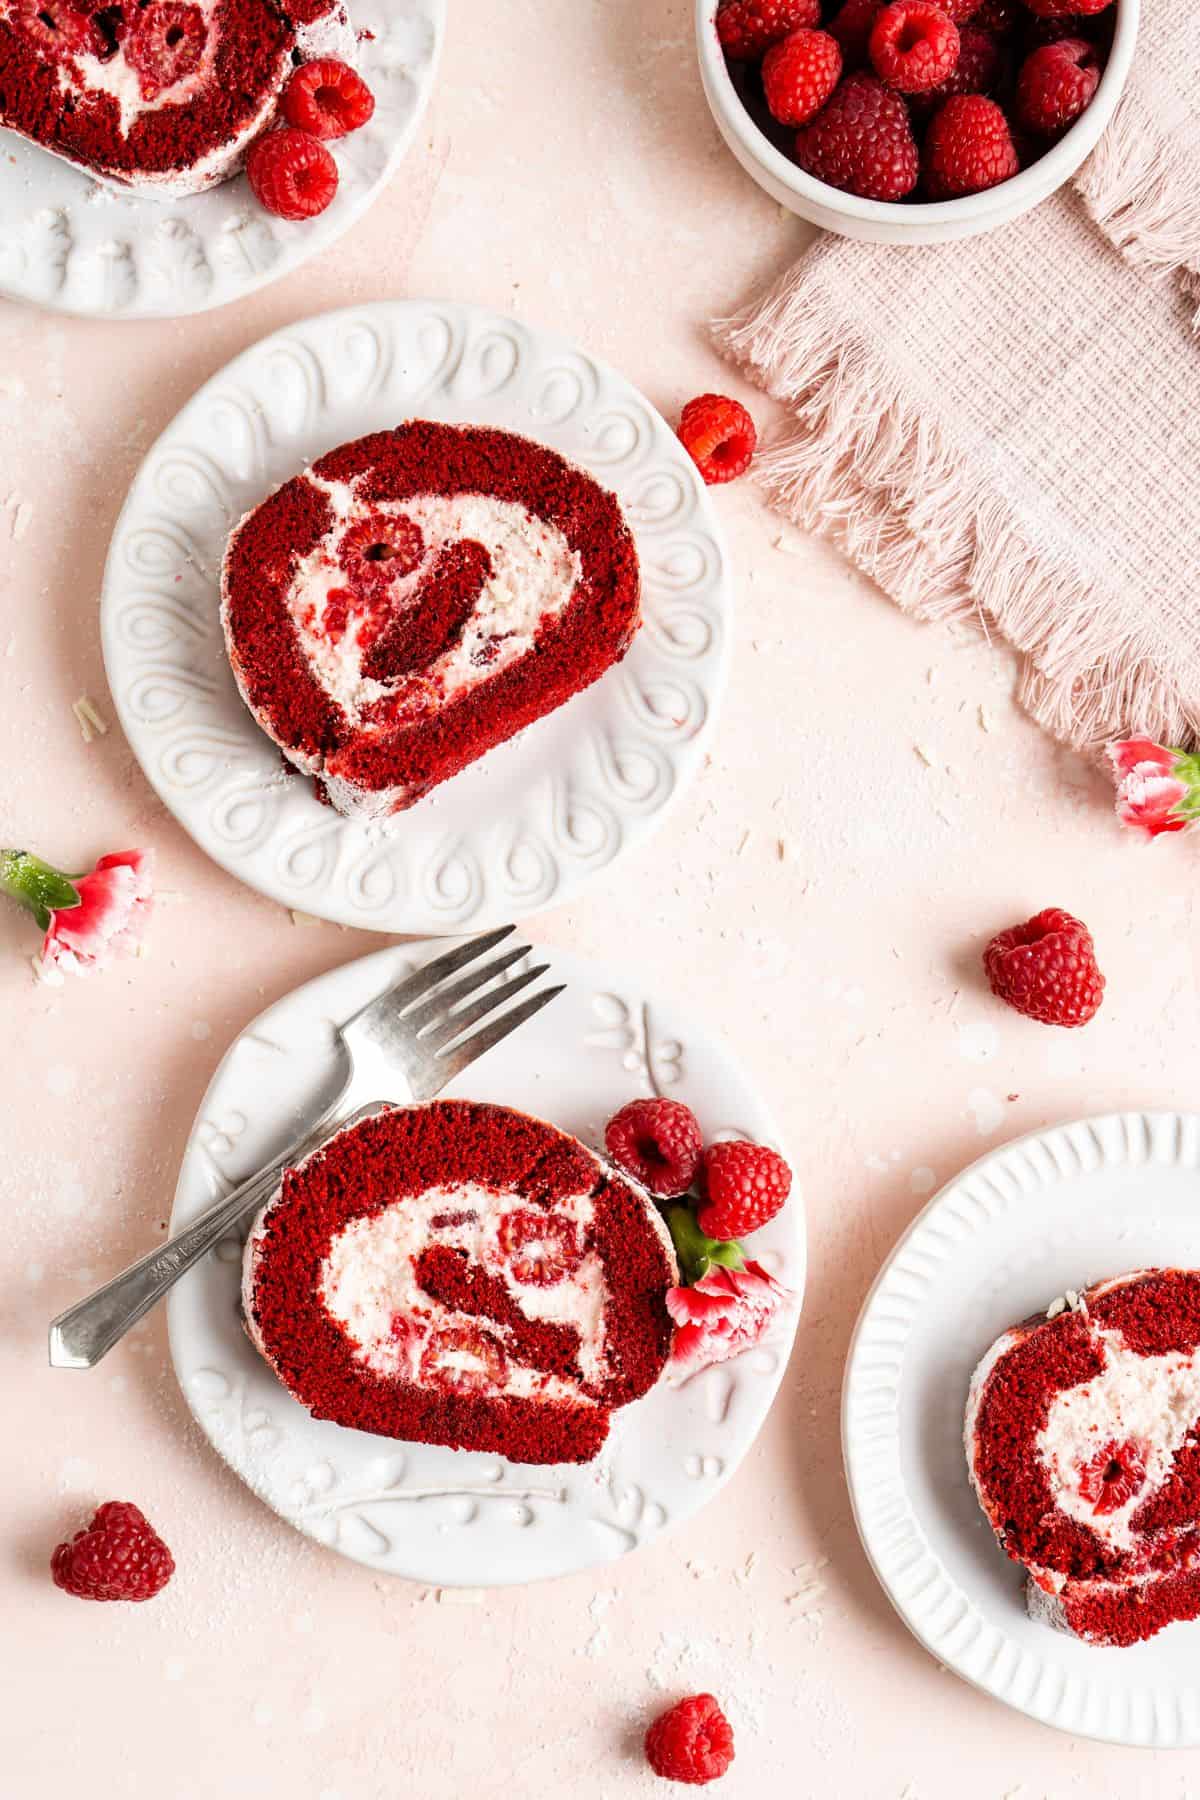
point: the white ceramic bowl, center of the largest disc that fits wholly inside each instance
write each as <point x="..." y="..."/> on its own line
<point x="887" y="221"/>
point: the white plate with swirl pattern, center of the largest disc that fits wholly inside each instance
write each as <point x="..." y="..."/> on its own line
<point x="457" y="1517"/>
<point x="1050" y="1212"/>
<point x="527" y="825"/>
<point x="77" y="245"/>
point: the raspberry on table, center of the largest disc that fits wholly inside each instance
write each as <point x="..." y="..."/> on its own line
<point x="799" y="74"/>
<point x="692" y="1742"/>
<point x="164" y="44"/>
<point x="747" y="28"/>
<point x="292" y="175"/>
<point x="861" y="142"/>
<point x="968" y="148"/>
<point x="742" y="1187"/>
<point x="851" y="27"/>
<point x="1056" y="85"/>
<point x="913" y="45"/>
<point x="327" y="98"/>
<point x="719" y="436"/>
<point x="1047" y="969"/>
<point x="658" y="1142"/>
<point x="119" y="1556"/>
<point x="976" y="72"/>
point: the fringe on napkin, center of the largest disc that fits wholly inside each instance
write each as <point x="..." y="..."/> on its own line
<point x="867" y="470"/>
<point x="1140" y="186"/>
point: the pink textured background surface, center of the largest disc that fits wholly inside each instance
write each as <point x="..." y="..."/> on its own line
<point x="567" y="172"/>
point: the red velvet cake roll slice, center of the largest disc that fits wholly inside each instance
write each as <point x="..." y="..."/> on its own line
<point x="1083" y="1443"/>
<point x="415" y="598"/>
<point x="466" y="1275"/>
<point x="163" y="96"/>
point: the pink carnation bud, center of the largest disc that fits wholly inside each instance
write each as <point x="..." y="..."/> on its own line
<point x="114" y="907"/>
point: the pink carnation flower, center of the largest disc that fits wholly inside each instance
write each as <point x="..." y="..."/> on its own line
<point x="725" y="1312"/>
<point x="87" y="919"/>
<point x="1157" y="789"/>
<point x="115" y="902"/>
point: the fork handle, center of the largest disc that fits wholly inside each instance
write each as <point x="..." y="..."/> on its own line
<point x="88" y="1330"/>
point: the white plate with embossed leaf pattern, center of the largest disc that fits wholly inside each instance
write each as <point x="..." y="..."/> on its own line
<point x="1054" y="1211"/>
<point x="457" y="1517"/>
<point x="78" y="245"/>
<point x="527" y="825"/>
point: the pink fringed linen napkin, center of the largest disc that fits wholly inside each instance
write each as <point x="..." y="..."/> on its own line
<point x="1008" y="429"/>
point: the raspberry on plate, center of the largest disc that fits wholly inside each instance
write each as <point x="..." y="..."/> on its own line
<point x="799" y="74"/>
<point x="968" y="148"/>
<point x="861" y="142"/>
<point x="327" y="98"/>
<point x="119" y="1556"/>
<point x="165" y="44"/>
<point x="742" y="1186"/>
<point x="719" y="436"/>
<point x="1056" y="84"/>
<point x="692" y="1742"/>
<point x="913" y="45"/>
<point x="748" y="28"/>
<point x="292" y="174"/>
<point x="1047" y="969"/>
<point x="851" y="26"/>
<point x="658" y="1142"/>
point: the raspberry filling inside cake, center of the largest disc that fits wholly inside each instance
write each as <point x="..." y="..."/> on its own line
<point x="419" y="596"/>
<point x="463" y="1275"/>
<point x="161" y="95"/>
<point x="1083" y="1441"/>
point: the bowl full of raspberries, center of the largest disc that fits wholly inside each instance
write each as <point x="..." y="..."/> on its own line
<point x="913" y="121"/>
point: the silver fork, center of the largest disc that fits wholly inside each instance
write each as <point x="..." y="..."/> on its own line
<point x="403" y="1046"/>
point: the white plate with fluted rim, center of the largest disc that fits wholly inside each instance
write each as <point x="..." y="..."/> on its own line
<point x="78" y="245"/>
<point x="417" y="1510"/>
<point x="527" y="825"/>
<point x="1053" y="1211"/>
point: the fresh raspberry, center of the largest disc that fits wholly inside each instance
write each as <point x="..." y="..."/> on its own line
<point x="56" y="28"/>
<point x="380" y="549"/>
<point x="327" y="98"/>
<point x="118" y="1557"/>
<point x="292" y="174"/>
<point x="658" y="1142"/>
<point x="742" y="1186"/>
<point x="165" y="44"/>
<point x="1056" y="84"/>
<point x="748" y="28"/>
<point x="851" y="27"/>
<point x="1062" y="9"/>
<point x="1114" y="1475"/>
<point x="976" y="72"/>
<point x="861" y="142"/>
<point x="913" y="45"/>
<point x="719" y="436"/>
<point x="541" y="1248"/>
<point x="1046" y="968"/>
<point x="799" y="75"/>
<point x="968" y="147"/>
<point x="693" y="1742"/>
<point x="1037" y="32"/>
<point x="462" y="1359"/>
<point x="959" y="10"/>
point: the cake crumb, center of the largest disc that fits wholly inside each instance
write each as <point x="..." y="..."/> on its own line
<point x="924" y="756"/>
<point x="303" y="918"/>
<point x="460" y="1596"/>
<point x="1056" y="1306"/>
<point x="985" y="718"/>
<point x="22" y="514"/>
<point x="90" y="722"/>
